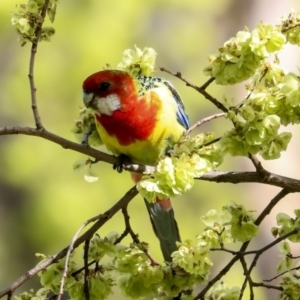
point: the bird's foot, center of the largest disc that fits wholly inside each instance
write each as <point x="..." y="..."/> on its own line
<point x="169" y="152"/>
<point x="120" y="162"/>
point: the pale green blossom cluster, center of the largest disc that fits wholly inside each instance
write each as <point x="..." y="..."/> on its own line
<point x="273" y="95"/>
<point x="41" y="294"/>
<point x="27" y="17"/>
<point x="291" y="285"/>
<point x="221" y="291"/>
<point x="260" y="136"/>
<point x="87" y="165"/>
<point x="240" y="57"/>
<point x="286" y="261"/>
<point x="85" y="131"/>
<point x="273" y="100"/>
<point x="100" y="286"/>
<point x="51" y="277"/>
<point x="99" y="247"/>
<point x="193" y="257"/>
<point x="139" y="277"/>
<point x="218" y="228"/>
<point x="276" y="93"/>
<point x="290" y="281"/>
<point x="286" y="224"/>
<point x="138" y="62"/>
<point x="83" y="124"/>
<point x="291" y="27"/>
<point x="234" y="223"/>
<point x="127" y="267"/>
<point x="100" y="281"/>
<point x="175" y="174"/>
<point x="242" y="223"/>
<point x="289" y="95"/>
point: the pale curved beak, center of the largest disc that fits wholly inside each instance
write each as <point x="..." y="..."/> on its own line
<point x="87" y="98"/>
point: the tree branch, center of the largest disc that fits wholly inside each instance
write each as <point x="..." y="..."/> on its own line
<point x="66" y="144"/>
<point x="290" y="184"/>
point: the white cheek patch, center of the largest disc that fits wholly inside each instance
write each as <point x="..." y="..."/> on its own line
<point x="108" y="104"/>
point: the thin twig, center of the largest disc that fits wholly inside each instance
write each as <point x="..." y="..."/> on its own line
<point x="87" y="134"/>
<point x="282" y="273"/>
<point x="128" y="227"/>
<point x="122" y="236"/>
<point x="9" y="296"/>
<point x="70" y="250"/>
<point x="257" y="222"/>
<point x="271" y="205"/>
<point x="101" y="220"/>
<point x="135" y="238"/>
<point x="226" y="250"/>
<point x="247" y="278"/>
<point x="81" y="269"/>
<point x="34" y="47"/>
<point x="86" y="269"/>
<point x="258" y="166"/>
<point x="267" y="247"/>
<point x="206" y="84"/>
<point x="217" y="278"/>
<point x="274" y="287"/>
<point x="201" y="89"/>
<point x="211" y="142"/>
<point x="202" y="121"/>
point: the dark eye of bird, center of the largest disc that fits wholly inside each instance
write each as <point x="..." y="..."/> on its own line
<point x="103" y="86"/>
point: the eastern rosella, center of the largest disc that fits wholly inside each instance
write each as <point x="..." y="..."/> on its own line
<point x="140" y="117"/>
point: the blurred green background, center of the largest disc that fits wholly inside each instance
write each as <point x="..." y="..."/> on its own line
<point x="42" y="202"/>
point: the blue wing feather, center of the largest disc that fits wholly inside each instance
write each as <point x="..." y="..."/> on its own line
<point x="182" y="116"/>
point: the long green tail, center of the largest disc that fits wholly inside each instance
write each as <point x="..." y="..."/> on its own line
<point x="165" y="228"/>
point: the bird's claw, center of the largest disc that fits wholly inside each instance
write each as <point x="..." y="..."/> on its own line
<point x="120" y="162"/>
<point x="169" y="152"/>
